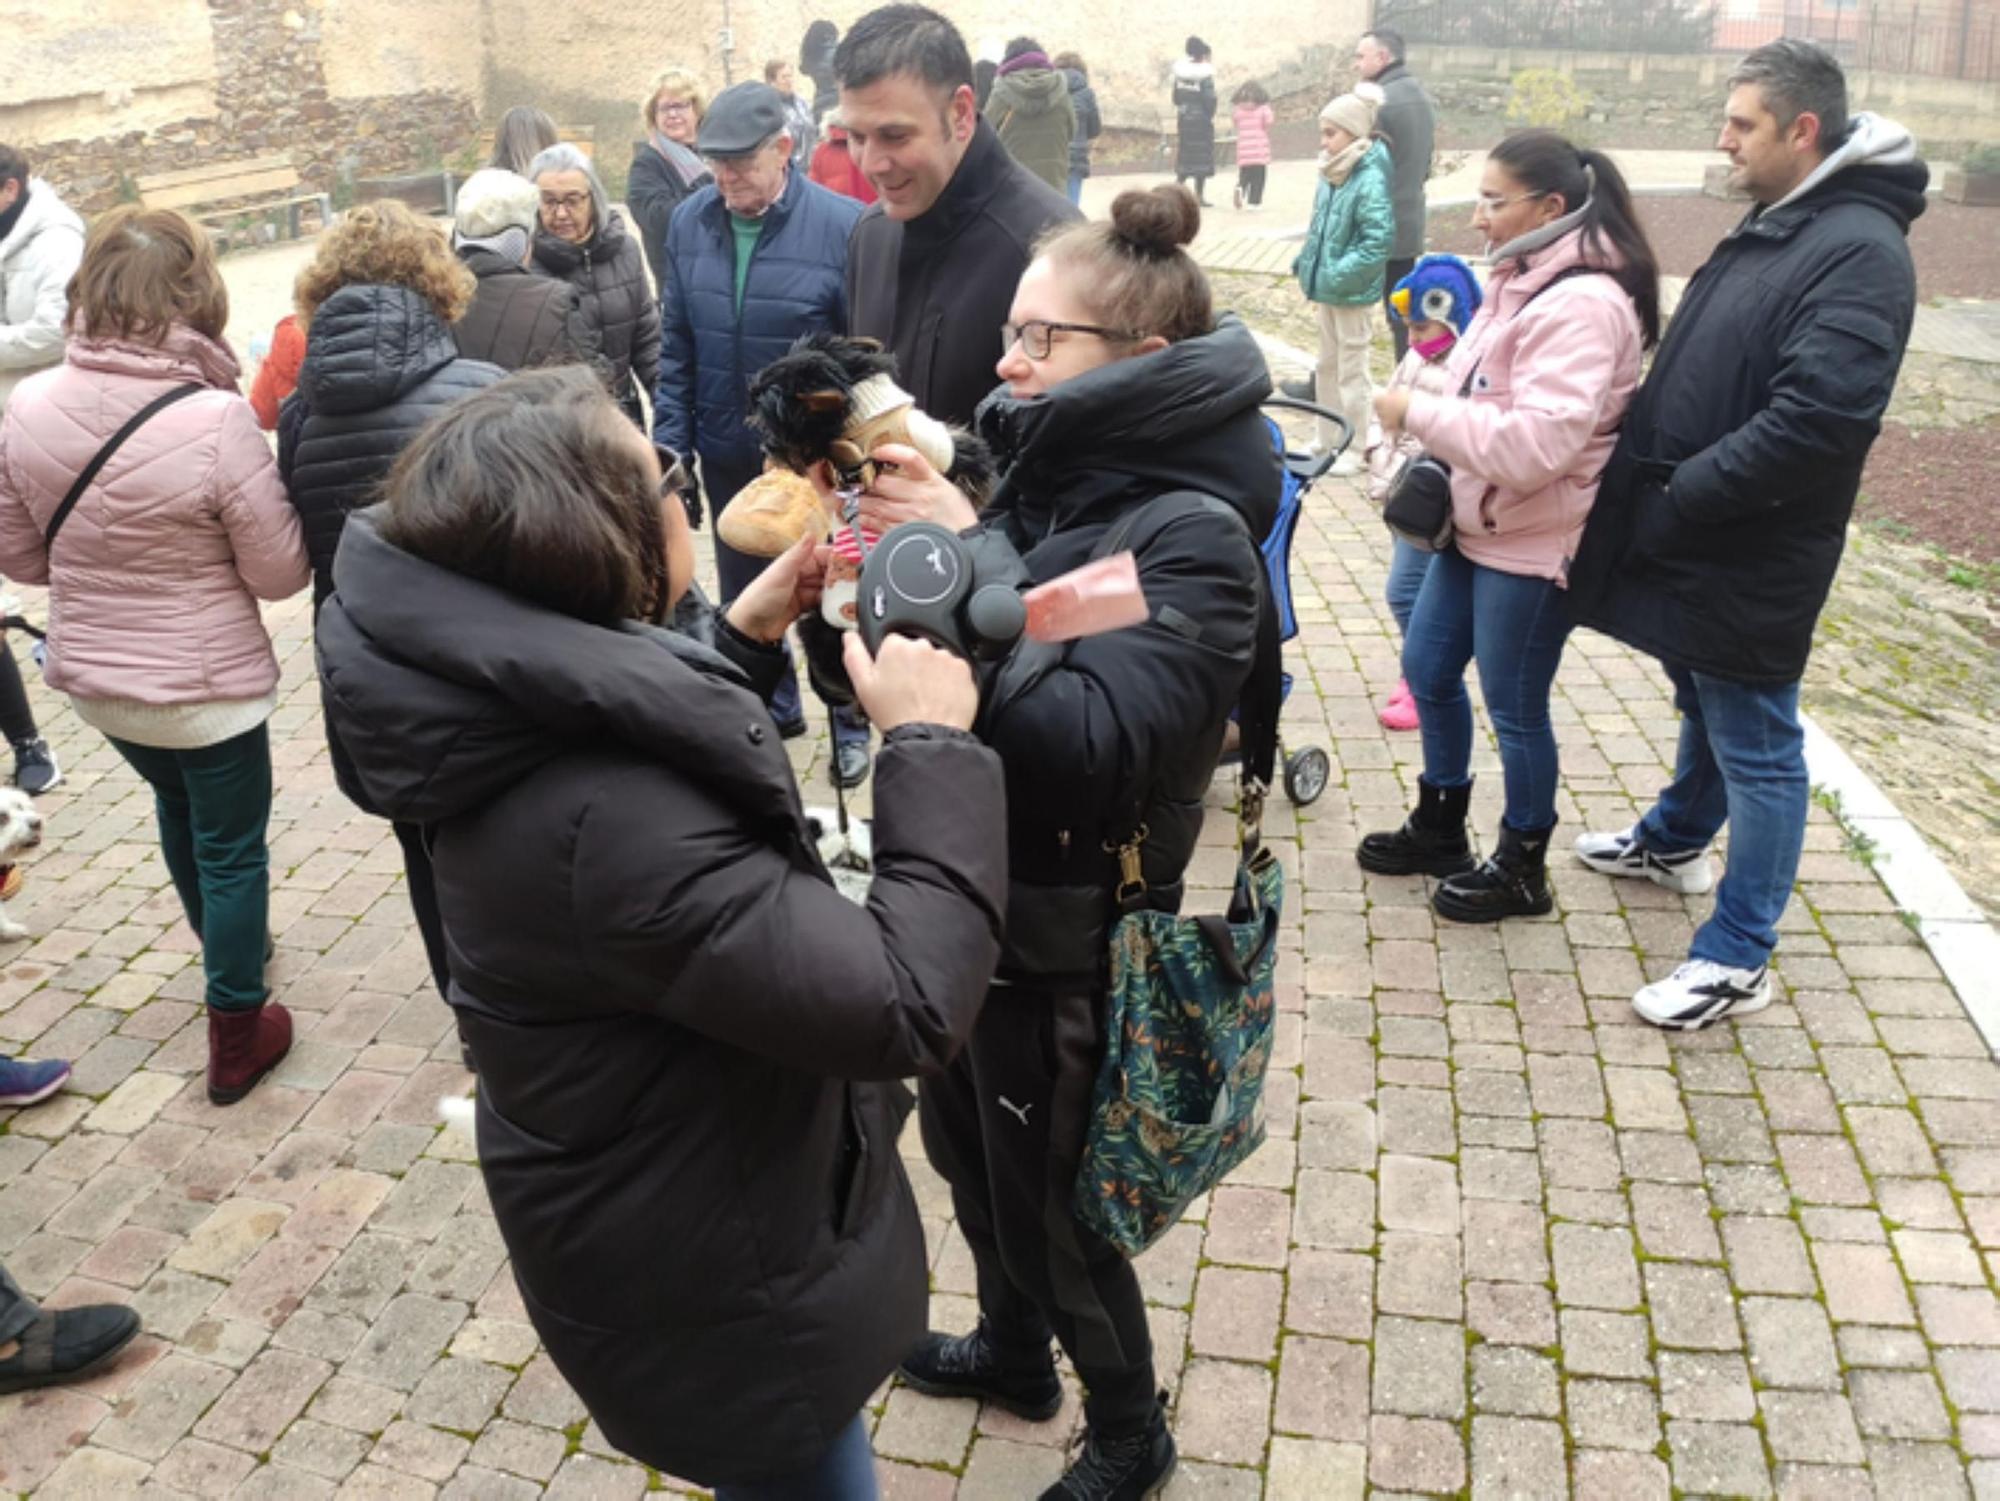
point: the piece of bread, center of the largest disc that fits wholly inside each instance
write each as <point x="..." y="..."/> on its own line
<point x="770" y="514"/>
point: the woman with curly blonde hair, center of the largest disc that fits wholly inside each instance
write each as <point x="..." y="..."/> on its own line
<point x="377" y="303"/>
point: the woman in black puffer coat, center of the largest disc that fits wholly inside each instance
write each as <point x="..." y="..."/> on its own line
<point x="688" y="1041"/>
<point x="1128" y="409"/>
<point x="586" y="244"/>
<point x="377" y="303"/>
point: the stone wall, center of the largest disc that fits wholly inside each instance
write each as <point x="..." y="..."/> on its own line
<point x="1674" y="100"/>
<point x="259" y="79"/>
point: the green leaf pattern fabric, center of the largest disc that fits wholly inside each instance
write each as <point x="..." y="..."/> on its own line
<point x="1181" y="1032"/>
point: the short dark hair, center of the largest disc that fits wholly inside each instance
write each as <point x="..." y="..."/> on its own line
<point x="1797" y="77"/>
<point x="903" y="39"/>
<point x="1389" y="40"/>
<point x="1019" y="47"/>
<point x="534" y="485"/>
<point x="13" y="165"/>
<point x="1197" y="49"/>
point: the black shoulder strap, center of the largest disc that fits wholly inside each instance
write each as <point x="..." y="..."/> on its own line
<point x="112" y="444"/>
<point x="1264" y="690"/>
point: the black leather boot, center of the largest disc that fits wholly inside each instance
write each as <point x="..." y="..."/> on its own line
<point x="973" y="1365"/>
<point x="1513" y="882"/>
<point x="1431" y="841"/>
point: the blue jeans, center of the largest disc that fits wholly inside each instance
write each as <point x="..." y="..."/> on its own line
<point x="846" y="1472"/>
<point x="1515" y="627"/>
<point x="1076" y="187"/>
<point x="1742" y="760"/>
<point x="1408" y="564"/>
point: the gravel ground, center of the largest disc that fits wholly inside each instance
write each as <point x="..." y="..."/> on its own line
<point x="1937" y="482"/>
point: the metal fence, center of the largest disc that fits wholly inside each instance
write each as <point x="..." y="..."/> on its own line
<point x="1936" y="38"/>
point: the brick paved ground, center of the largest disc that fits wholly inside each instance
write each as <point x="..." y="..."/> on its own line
<point x="1502" y="1239"/>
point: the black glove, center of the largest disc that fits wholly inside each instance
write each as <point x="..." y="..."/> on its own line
<point x="691" y="498"/>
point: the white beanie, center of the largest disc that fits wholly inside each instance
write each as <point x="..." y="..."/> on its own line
<point x="1355" y="112"/>
<point x="493" y="200"/>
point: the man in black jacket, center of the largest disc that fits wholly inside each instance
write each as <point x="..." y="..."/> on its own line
<point x="1720" y="522"/>
<point x="958" y="216"/>
<point x="1407" y="121"/>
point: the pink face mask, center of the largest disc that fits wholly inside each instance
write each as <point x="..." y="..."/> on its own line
<point x="1434" y="349"/>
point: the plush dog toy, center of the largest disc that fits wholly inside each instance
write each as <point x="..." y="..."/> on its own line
<point x="834" y="400"/>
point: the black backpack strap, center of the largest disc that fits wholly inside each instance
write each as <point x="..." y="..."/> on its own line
<point x="112" y="444"/>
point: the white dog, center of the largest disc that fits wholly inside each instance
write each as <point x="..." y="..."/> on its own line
<point x="20" y="831"/>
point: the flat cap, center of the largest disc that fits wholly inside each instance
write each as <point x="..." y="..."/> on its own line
<point x="740" y="119"/>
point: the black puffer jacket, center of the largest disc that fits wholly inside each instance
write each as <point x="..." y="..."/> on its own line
<point x="379" y="364"/>
<point x="653" y="190"/>
<point x="609" y="273"/>
<point x="1723" y="512"/>
<point x="673" y="1011"/>
<point x="520" y="320"/>
<point x="1101" y="735"/>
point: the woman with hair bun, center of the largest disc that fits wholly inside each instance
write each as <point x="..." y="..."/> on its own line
<point x="1128" y="408"/>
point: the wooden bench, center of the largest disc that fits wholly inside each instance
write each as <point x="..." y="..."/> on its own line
<point x="253" y="186"/>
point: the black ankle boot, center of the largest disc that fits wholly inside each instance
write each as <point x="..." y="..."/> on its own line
<point x="1431" y="841"/>
<point x="970" y="1365"/>
<point x="1130" y="1468"/>
<point x="1514" y="882"/>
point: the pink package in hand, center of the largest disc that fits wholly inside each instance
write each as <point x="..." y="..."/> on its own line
<point x="1088" y="601"/>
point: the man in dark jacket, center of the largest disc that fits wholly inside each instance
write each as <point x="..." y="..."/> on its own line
<point x="753" y="261"/>
<point x="1407" y="121"/>
<point x="933" y="265"/>
<point x="517" y="319"/>
<point x="1720" y="522"/>
<point x="1089" y="122"/>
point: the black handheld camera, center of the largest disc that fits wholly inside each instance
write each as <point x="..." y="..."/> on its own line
<point x="922" y="580"/>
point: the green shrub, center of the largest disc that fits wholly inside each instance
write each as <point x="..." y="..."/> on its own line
<point x="1546" y="98"/>
<point x="1984" y="157"/>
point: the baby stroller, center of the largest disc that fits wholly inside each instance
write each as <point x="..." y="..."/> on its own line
<point x="1307" y="770"/>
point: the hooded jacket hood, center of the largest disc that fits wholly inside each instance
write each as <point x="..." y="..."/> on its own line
<point x="482" y="687"/>
<point x="1187" y="70"/>
<point x="1184" y="418"/>
<point x="42" y="213"/>
<point x="1878" y="160"/>
<point x="369" y="345"/>
<point x="1031" y="90"/>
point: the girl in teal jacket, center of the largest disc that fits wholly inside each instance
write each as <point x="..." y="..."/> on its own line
<point x="1340" y="268"/>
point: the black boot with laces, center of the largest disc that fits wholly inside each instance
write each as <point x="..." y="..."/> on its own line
<point x="971" y="1365"/>
<point x="1120" y="1469"/>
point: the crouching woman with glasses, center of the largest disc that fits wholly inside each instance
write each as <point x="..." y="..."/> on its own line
<point x="688" y="1042"/>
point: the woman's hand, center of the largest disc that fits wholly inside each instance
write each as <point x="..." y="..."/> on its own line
<point x="907" y="488"/>
<point x="1391" y="407"/>
<point x="785" y="590"/>
<point x="911" y="682"/>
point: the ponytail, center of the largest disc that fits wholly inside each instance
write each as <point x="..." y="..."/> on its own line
<point x="1547" y="163"/>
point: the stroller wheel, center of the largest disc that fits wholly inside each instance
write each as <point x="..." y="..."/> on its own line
<point x="1306" y="775"/>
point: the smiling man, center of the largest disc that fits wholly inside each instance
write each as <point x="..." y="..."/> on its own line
<point x="933" y="265"/>
<point x="1723" y="512"/>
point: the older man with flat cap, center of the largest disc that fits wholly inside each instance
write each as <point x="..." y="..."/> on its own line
<point x="755" y="259"/>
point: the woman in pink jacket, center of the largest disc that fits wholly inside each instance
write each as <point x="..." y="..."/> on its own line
<point x="1539" y="385"/>
<point x="154" y="578"/>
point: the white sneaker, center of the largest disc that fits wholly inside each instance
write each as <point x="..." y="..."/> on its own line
<point x="1622" y="854"/>
<point x="1701" y="993"/>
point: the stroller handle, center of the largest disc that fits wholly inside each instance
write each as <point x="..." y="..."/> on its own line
<point x="1312" y="469"/>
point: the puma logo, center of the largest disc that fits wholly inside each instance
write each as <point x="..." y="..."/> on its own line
<point x="1019" y="1110"/>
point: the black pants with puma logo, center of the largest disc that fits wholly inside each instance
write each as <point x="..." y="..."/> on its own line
<point x="1005" y="1126"/>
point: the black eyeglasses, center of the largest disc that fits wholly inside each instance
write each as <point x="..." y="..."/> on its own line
<point x="1037" y="337"/>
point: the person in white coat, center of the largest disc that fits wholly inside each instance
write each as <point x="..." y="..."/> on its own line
<point x="41" y="244"/>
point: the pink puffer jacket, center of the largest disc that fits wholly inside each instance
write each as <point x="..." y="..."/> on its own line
<point x="157" y="573"/>
<point x="1528" y="446"/>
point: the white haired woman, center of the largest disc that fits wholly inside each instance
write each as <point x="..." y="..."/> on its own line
<point x="583" y="242"/>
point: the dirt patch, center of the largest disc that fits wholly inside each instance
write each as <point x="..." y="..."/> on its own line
<point x="1938" y="484"/>
<point x="1952" y="244"/>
